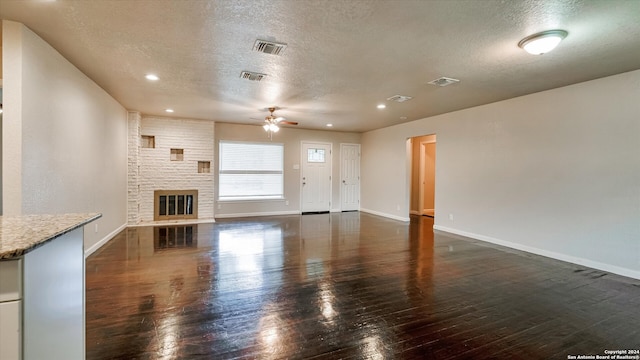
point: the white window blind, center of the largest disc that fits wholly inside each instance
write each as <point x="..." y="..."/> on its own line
<point x="250" y="171"/>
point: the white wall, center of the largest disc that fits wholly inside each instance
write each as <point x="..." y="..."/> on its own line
<point x="158" y="172"/>
<point x="556" y="173"/>
<point x="64" y="138"/>
<point x="12" y="59"/>
<point x="0" y="140"/>
<point x="291" y="138"/>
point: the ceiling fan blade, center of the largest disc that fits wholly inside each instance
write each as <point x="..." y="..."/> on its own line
<point x="288" y="122"/>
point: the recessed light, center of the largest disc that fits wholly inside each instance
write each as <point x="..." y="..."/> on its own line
<point x="542" y="42"/>
<point x="152" y="77"/>
<point x="329" y="125"/>
<point x="381" y="106"/>
<point x="169" y="110"/>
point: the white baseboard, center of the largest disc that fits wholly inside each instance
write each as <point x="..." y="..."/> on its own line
<point x="390" y="216"/>
<point x="173" y="222"/>
<point x="104" y="240"/>
<point x="267" y="213"/>
<point x="550" y="254"/>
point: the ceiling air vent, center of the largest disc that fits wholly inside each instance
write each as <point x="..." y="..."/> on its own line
<point x="253" y="76"/>
<point x="399" y="98"/>
<point x="443" y="81"/>
<point x="269" y="47"/>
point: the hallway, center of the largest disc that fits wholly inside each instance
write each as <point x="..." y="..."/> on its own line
<point x="344" y="285"/>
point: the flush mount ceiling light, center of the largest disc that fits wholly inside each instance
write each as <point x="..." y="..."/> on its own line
<point x="542" y="42"/>
<point x="169" y="110"/>
<point x="152" y="77"/>
<point x="381" y="106"/>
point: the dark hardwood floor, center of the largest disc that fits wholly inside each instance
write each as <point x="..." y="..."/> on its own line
<point x="345" y="286"/>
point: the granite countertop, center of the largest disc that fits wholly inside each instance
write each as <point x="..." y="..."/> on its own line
<point x="21" y="234"/>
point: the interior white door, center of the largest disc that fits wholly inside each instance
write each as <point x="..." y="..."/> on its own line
<point x="316" y="177"/>
<point x="350" y="177"/>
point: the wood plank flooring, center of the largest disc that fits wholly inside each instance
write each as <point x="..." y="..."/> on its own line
<point x="344" y="286"/>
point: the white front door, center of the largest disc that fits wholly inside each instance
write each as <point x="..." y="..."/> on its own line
<point x="350" y="177"/>
<point x="316" y="177"/>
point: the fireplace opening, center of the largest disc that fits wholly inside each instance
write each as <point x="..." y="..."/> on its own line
<point x="175" y="204"/>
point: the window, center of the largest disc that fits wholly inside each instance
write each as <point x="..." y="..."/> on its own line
<point x="250" y="171"/>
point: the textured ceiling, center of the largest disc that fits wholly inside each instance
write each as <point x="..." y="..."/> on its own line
<point x="343" y="57"/>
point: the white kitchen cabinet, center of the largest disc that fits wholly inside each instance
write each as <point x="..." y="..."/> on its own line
<point x="10" y="309"/>
<point x="42" y="287"/>
<point x="10" y="330"/>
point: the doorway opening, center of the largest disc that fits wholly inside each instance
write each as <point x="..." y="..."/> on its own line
<point x="423" y="175"/>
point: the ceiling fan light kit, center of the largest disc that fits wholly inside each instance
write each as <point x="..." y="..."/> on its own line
<point x="271" y="127"/>
<point x="271" y="122"/>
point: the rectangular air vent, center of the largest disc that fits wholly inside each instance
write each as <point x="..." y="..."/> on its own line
<point x="269" y="47"/>
<point x="399" y="98"/>
<point x="443" y="81"/>
<point x="253" y="76"/>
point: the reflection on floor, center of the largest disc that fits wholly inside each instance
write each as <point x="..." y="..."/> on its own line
<point x="350" y="286"/>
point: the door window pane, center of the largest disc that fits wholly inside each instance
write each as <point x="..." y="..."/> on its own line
<point x="315" y="155"/>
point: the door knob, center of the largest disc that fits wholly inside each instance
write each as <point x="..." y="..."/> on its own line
<point x="344" y="182"/>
